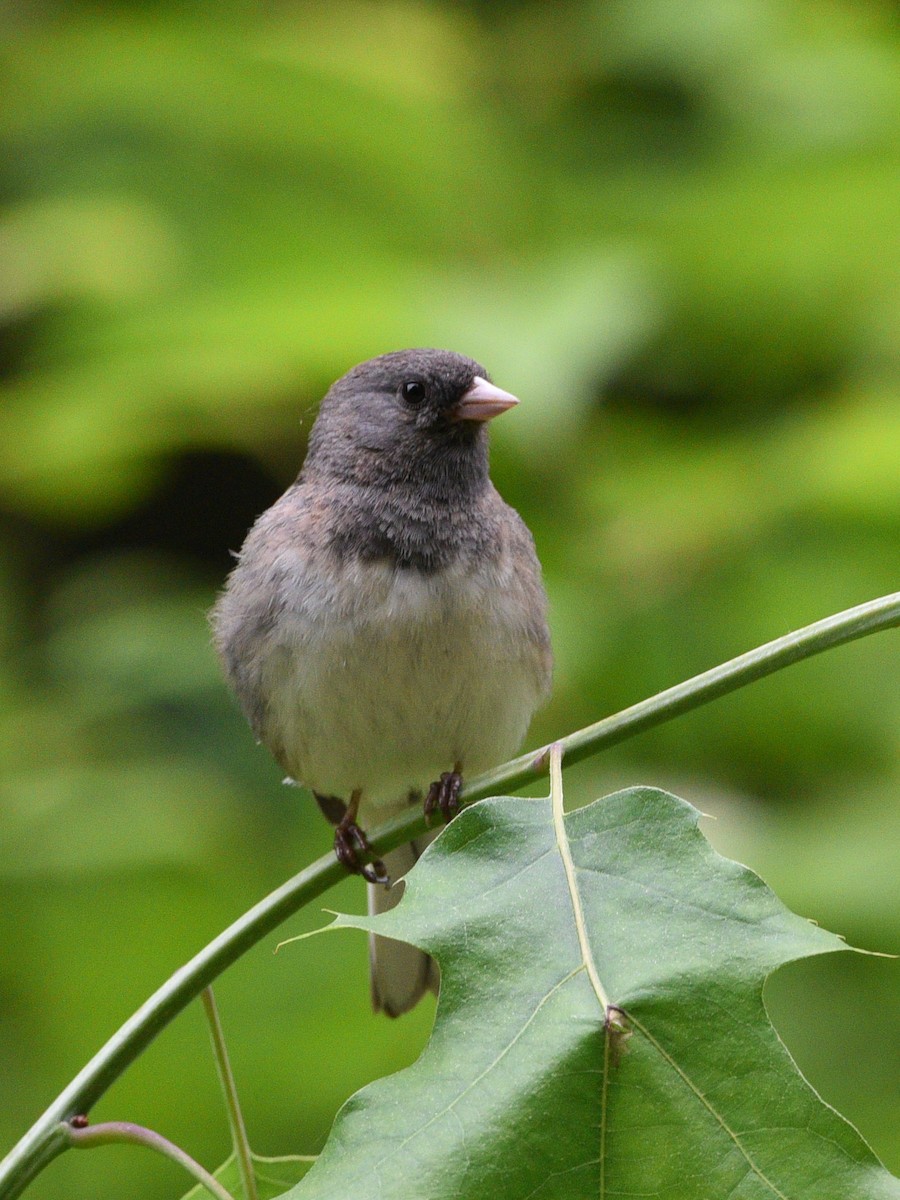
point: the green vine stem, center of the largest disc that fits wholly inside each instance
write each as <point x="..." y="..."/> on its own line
<point x="85" y="1137"/>
<point x="229" y="1091"/>
<point x="48" y="1137"/>
<point x="847" y="626"/>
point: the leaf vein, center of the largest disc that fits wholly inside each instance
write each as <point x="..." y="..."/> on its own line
<point x="660" y="1049"/>
<point x="491" y="1065"/>
<point x="559" y="1174"/>
<point x="565" y="853"/>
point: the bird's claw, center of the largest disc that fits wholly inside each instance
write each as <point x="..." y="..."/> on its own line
<point x="351" y="848"/>
<point x="444" y="795"/>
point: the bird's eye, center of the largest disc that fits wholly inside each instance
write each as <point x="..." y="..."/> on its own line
<point x="413" y="392"/>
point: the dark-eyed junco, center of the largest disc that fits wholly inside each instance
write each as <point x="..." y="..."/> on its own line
<point x="385" y="627"/>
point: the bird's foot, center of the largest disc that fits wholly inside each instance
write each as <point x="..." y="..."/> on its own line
<point x="444" y="795"/>
<point x="351" y="846"/>
<point x="352" y="850"/>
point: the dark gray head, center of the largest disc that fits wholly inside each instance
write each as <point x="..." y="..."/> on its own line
<point x="411" y="416"/>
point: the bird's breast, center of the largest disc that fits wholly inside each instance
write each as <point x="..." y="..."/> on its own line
<point x="380" y="678"/>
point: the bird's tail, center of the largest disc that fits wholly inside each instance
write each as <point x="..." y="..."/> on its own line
<point x="400" y="974"/>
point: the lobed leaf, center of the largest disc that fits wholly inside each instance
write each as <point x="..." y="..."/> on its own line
<point x="600" y="1030"/>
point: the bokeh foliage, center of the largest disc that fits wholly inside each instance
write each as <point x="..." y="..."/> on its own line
<point x="673" y="231"/>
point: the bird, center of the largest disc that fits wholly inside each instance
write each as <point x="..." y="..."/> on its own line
<point x="385" y="626"/>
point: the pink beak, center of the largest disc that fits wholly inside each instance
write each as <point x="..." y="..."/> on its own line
<point x="483" y="401"/>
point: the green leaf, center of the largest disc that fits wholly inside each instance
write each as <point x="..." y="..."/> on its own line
<point x="272" y="1176"/>
<point x="600" y="1029"/>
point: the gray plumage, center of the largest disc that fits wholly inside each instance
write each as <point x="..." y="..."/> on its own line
<point x="386" y="619"/>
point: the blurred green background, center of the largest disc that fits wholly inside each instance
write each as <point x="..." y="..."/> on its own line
<point x="672" y="229"/>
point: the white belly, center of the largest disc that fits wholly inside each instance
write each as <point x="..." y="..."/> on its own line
<point x="395" y="676"/>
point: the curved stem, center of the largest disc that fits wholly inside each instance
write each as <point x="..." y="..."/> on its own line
<point x="110" y="1132"/>
<point x="43" y="1141"/>
<point x="242" y="1153"/>
<point x="847" y="626"/>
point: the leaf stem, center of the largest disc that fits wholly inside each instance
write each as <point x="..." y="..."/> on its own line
<point x="229" y="1091"/>
<point x="44" y="1141"/>
<point x="565" y="853"/>
<point x="111" y="1132"/>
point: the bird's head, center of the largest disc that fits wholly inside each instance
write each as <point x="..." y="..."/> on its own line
<point x="405" y="414"/>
